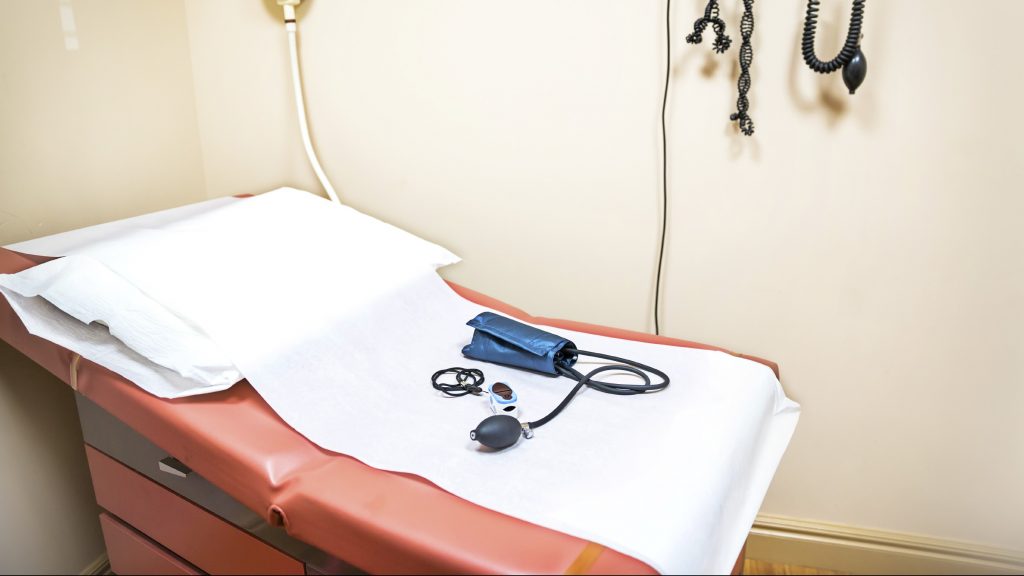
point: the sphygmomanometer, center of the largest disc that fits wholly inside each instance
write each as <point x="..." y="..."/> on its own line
<point x="501" y="340"/>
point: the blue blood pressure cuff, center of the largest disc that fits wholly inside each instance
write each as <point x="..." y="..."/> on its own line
<point x="502" y="340"/>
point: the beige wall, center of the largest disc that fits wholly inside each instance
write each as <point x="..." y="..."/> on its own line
<point x="50" y="512"/>
<point x="869" y="244"/>
<point x="102" y="132"/>
<point x="105" y="131"/>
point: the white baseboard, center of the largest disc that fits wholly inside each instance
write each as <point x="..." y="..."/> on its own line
<point x="101" y="565"/>
<point x="797" y="542"/>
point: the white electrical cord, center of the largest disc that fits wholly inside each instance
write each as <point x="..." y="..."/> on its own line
<point x="300" y="107"/>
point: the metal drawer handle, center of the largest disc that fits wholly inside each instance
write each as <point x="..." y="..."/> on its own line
<point x="174" y="467"/>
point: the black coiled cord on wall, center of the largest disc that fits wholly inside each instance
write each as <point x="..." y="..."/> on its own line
<point x="849" y="48"/>
<point x="721" y="44"/>
<point x="746" y="59"/>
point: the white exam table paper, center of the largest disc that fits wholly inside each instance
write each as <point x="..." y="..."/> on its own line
<point x="673" y="478"/>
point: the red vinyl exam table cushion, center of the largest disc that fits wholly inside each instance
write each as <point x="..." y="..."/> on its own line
<point x="376" y="520"/>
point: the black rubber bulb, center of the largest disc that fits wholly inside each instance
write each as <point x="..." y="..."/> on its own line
<point x="855" y="71"/>
<point x="499" y="431"/>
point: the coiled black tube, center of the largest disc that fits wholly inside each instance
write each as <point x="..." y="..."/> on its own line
<point x="849" y="48"/>
<point x="746" y="59"/>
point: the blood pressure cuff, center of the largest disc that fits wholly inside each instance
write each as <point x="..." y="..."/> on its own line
<point x="502" y="340"/>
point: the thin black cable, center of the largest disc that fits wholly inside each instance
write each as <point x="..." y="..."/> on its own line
<point x="664" y="164"/>
<point x="587" y="379"/>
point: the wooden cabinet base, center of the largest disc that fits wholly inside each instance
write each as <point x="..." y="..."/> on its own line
<point x="130" y="552"/>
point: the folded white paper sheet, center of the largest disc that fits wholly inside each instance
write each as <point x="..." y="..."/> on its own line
<point x="91" y="293"/>
<point x="94" y="340"/>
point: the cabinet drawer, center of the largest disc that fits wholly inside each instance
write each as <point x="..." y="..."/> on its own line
<point x="199" y="537"/>
<point x="132" y="553"/>
<point x="116" y="439"/>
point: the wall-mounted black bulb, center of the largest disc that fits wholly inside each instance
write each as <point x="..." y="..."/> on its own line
<point x="855" y="70"/>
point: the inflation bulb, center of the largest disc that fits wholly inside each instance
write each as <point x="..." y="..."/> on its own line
<point x="499" y="431"/>
<point x="855" y="70"/>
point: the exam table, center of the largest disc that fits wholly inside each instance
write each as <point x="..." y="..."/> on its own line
<point x="220" y="484"/>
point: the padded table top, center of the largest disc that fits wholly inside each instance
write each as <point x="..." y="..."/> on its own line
<point x="376" y="520"/>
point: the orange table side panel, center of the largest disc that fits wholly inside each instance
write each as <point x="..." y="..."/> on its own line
<point x="132" y="553"/>
<point x="201" y="538"/>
